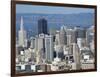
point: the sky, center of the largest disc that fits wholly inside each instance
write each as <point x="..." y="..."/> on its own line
<point x="24" y="8"/>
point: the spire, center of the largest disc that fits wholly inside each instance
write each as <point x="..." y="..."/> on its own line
<point x="21" y="25"/>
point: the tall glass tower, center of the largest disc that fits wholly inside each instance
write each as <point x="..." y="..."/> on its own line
<point x="42" y="26"/>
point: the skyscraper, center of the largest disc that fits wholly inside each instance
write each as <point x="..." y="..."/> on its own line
<point x="71" y="36"/>
<point x="69" y="39"/>
<point x="76" y="56"/>
<point x="59" y="51"/>
<point x="89" y="35"/>
<point x="44" y="47"/>
<point x="39" y="48"/>
<point x="22" y="35"/>
<point x="63" y="39"/>
<point x="81" y="37"/>
<point x="81" y="42"/>
<point x="57" y="38"/>
<point x="81" y="33"/>
<point x="42" y="26"/>
<point x="49" y="47"/>
<point x="32" y="40"/>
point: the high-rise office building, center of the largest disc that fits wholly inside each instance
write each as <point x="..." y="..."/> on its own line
<point x="49" y="47"/>
<point x="81" y="33"/>
<point x="44" y="47"/>
<point x="81" y="37"/>
<point x="57" y="38"/>
<point x="89" y="35"/>
<point x="76" y="56"/>
<point x="32" y="42"/>
<point x="74" y="36"/>
<point x="36" y="43"/>
<point x="59" y="51"/>
<point x="63" y="38"/>
<point x="81" y="42"/>
<point x="69" y="39"/>
<point x="70" y="49"/>
<point x="39" y="48"/>
<point x="39" y="42"/>
<point x="42" y="26"/>
<point x="71" y="36"/>
<point x="22" y="35"/>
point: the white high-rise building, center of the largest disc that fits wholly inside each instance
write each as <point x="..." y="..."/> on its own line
<point x="71" y="36"/>
<point x="22" y="35"/>
<point x="39" y="48"/>
<point x="40" y="43"/>
<point x="81" y="42"/>
<point x="57" y="38"/>
<point x="63" y="38"/>
<point x="49" y="47"/>
<point x="59" y="50"/>
<point x="69" y="39"/>
<point x="76" y="56"/>
<point x="32" y="43"/>
<point x="44" y="47"/>
<point x="90" y="35"/>
<point x="36" y="43"/>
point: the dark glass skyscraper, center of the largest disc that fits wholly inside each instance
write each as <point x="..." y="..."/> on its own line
<point x="42" y="26"/>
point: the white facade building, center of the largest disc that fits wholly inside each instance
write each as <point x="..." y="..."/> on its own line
<point x="49" y="47"/>
<point x="22" y="35"/>
<point x="76" y="56"/>
<point x="81" y="42"/>
<point x="44" y="47"/>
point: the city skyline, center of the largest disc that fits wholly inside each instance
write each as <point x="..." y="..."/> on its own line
<point x="63" y="49"/>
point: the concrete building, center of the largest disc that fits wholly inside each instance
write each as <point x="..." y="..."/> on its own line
<point x="76" y="56"/>
<point x="88" y="66"/>
<point x="89" y="35"/>
<point x="49" y="48"/>
<point x="59" y="51"/>
<point x="22" y="35"/>
<point x="81" y="42"/>
<point x="92" y="46"/>
<point x="21" y="68"/>
<point x="69" y="39"/>
<point x="63" y="38"/>
<point x="44" y="47"/>
<point x="32" y="42"/>
<point x="43" y="68"/>
<point x="71" y="36"/>
<point x="57" y="38"/>
<point x="86" y="55"/>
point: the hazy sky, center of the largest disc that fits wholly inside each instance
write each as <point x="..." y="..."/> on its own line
<point x="23" y="8"/>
